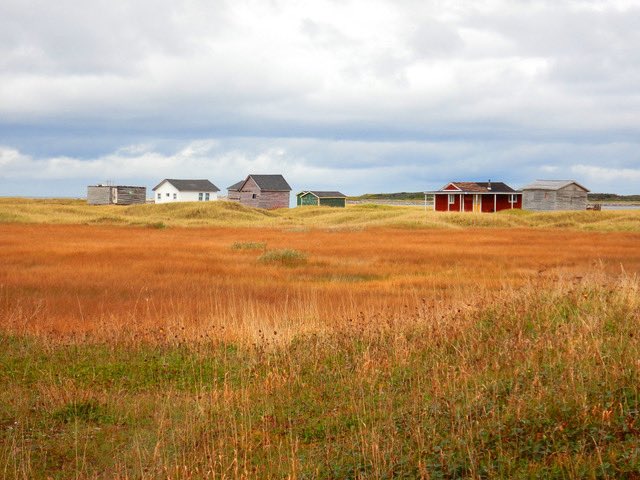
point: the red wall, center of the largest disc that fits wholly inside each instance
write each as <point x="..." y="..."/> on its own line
<point x="502" y="203"/>
<point x="442" y="203"/>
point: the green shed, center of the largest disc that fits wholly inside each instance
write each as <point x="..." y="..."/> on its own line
<point x="321" y="199"/>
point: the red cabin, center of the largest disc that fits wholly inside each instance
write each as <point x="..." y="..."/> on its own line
<point x="475" y="197"/>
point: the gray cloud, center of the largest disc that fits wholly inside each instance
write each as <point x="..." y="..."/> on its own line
<point x="400" y="95"/>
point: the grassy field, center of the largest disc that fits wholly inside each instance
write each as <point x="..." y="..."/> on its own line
<point x="304" y="348"/>
<point x="231" y="214"/>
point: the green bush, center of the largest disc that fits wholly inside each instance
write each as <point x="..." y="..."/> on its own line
<point x="286" y="257"/>
<point x="249" y="246"/>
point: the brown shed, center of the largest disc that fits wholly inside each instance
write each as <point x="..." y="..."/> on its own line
<point x="261" y="191"/>
<point x="233" y="192"/>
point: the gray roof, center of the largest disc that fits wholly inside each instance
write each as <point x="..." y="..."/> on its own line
<point x="324" y="194"/>
<point x="552" y="185"/>
<point x="190" y="185"/>
<point x="236" y="186"/>
<point x="270" y="183"/>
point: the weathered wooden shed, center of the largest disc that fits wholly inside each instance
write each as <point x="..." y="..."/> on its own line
<point x="554" y="195"/>
<point x="262" y="191"/>
<point x="115" y="195"/>
<point x="475" y="197"/>
<point x="233" y="192"/>
<point x="321" y="199"/>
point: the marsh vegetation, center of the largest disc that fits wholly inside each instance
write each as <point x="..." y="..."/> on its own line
<point x="135" y="352"/>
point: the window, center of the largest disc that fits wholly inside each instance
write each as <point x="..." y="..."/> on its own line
<point x="452" y="199"/>
<point x="168" y="194"/>
<point x="159" y="196"/>
<point x="175" y="196"/>
<point x="255" y="195"/>
<point x="513" y="198"/>
<point x="206" y="197"/>
<point x="200" y="196"/>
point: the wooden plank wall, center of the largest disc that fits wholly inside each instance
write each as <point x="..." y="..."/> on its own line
<point x="98" y="195"/>
<point x="130" y="195"/>
<point x="570" y="197"/>
<point x="267" y="200"/>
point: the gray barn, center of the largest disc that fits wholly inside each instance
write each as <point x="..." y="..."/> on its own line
<point x="115" y="195"/>
<point x="261" y="191"/>
<point x="554" y="195"/>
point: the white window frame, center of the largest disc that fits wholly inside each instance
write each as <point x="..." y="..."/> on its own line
<point x="206" y="197"/>
<point x="513" y="198"/>
<point x="452" y="198"/>
<point x="200" y="196"/>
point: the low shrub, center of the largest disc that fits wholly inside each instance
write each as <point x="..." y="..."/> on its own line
<point x="286" y="257"/>
<point x="249" y="246"/>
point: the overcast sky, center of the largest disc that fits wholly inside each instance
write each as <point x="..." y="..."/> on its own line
<point x="359" y="96"/>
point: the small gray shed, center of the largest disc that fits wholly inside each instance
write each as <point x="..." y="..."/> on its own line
<point x="554" y="195"/>
<point x="115" y="195"/>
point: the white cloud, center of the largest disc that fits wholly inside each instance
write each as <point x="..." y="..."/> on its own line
<point x="606" y="174"/>
<point x="351" y="166"/>
<point x="470" y="87"/>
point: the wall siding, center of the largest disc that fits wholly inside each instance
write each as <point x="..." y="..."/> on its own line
<point x="307" y="200"/>
<point x="98" y="195"/>
<point x="570" y="197"/>
<point x="333" y="202"/>
<point x="129" y="195"/>
<point x="486" y="206"/>
<point x="252" y="196"/>
<point x="167" y="191"/>
<point x="118" y="195"/>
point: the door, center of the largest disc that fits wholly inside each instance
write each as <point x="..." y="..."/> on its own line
<point x="477" y="203"/>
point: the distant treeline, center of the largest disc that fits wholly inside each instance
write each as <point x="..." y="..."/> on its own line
<point x="593" y="197"/>
<point x="390" y="196"/>
<point x="612" y="197"/>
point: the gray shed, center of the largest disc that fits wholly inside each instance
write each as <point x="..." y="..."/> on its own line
<point x="115" y="195"/>
<point x="554" y="195"/>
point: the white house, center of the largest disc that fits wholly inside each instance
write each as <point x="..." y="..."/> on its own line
<point x="172" y="190"/>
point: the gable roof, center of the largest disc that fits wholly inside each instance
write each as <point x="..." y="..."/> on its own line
<point x="323" y="194"/>
<point x="552" y="185"/>
<point x="269" y="183"/>
<point x="479" y="187"/>
<point x="190" y="185"/>
<point x="236" y="186"/>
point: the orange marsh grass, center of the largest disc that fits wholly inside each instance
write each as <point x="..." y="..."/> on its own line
<point x="144" y="353"/>
<point x="538" y="380"/>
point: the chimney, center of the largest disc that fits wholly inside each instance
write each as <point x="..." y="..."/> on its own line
<point x="489" y="185"/>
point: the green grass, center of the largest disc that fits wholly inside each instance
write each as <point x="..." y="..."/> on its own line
<point x="534" y="383"/>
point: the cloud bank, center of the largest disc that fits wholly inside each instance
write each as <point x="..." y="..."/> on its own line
<point x="358" y="95"/>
